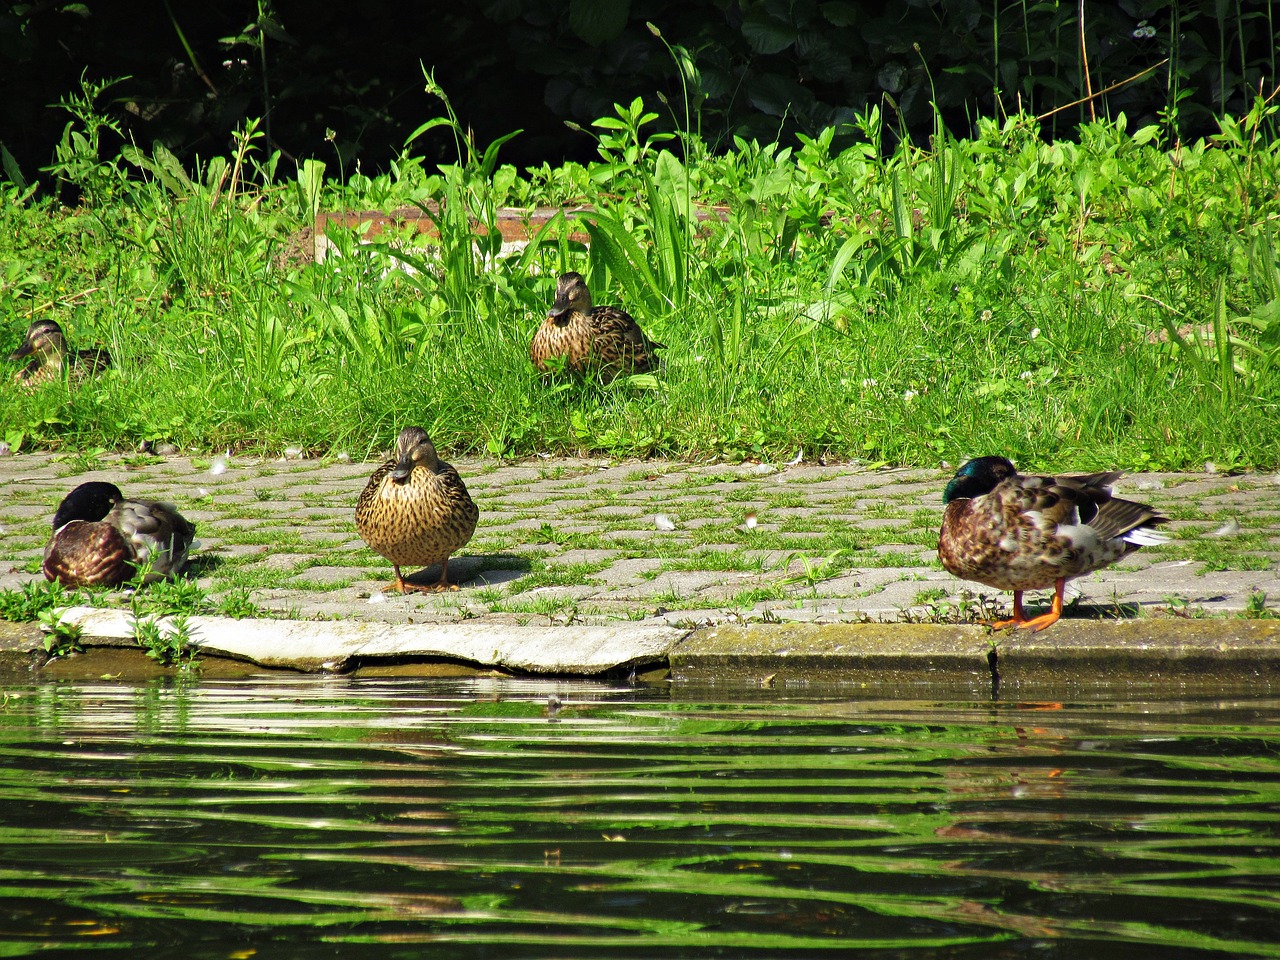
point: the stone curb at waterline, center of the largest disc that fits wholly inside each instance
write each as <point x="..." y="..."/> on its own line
<point x="760" y="653"/>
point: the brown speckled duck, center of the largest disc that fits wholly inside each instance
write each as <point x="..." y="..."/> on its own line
<point x="1028" y="533"/>
<point x="604" y="340"/>
<point x="47" y="345"/>
<point x="415" y="510"/>
<point x="100" y="538"/>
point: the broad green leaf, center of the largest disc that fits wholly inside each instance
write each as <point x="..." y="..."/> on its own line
<point x="765" y="34"/>
<point x="596" y="21"/>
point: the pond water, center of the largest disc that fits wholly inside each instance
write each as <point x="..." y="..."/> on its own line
<point x="311" y="817"/>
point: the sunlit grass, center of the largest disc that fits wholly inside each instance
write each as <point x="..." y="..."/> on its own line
<point x="1071" y="305"/>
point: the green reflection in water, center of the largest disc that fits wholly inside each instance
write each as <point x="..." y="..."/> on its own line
<point x="488" y="819"/>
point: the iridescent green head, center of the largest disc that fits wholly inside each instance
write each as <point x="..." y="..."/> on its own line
<point x="977" y="477"/>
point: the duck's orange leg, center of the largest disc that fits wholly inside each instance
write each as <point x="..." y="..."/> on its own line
<point x="443" y="583"/>
<point x="1018" y="619"/>
<point x="398" y="586"/>
<point x="403" y="586"/>
<point x="1036" y="624"/>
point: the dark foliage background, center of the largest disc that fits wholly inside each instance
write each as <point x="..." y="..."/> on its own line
<point x="347" y="77"/>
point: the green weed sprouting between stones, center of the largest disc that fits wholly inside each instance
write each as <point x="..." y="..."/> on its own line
<point x="1108" y="302"/>
<point x="44" y="601"/>
<point x="26" y="604"/>
<point x="169" y="645"/>
<point x="60" y="639"/>
<point x="1256" y="607"/>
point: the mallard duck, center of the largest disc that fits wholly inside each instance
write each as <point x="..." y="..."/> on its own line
<point x="100" y="538"/>
<point x="47" y="344"/>
<point x="415" y="509"/>
<point x="590" y="339"/>
<point x="1028" y="533"/>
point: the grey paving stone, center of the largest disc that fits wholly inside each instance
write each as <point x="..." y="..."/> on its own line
<point x="299" y="513"/>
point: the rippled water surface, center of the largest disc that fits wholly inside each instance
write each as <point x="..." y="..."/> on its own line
<point x="508" y="819"/>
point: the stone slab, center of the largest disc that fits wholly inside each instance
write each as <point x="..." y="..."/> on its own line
<point x="338" y="645"/>
<point x="1084" y="649"/>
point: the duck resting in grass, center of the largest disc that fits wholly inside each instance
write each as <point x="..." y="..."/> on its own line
<point x="415" y="509"/>
<point x="47" y="345"/>
<point x="100" y="538"/>
<point x="588" y="339"/>
<point x="1028" y="533"/>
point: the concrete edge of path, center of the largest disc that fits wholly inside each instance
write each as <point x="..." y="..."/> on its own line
<point x="1078" y="650"/>
<point x="751" y="652"/>
<point x="334" y="645"/>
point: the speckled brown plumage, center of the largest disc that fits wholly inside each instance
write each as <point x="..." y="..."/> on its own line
<point x="601" y="340"/>
<point x="415" y="510"/>
<point x="1027" y="533"/>
<point x="84" y="554"/>
<point x="46" y="343"/>
<point x="100" y="538"/>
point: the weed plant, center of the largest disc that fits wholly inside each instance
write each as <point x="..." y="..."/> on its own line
<point x="171" y="645"/>
<point x="36" y="598"/>
<point x="1111" y="302"/>
<point x="60" y="639"/>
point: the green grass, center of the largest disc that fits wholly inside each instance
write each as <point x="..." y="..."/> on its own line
<point x="544" y="574"/>
<point x="716" y="560"/>
<point x="542" y="606"/>
<point x="1112" y="302"/>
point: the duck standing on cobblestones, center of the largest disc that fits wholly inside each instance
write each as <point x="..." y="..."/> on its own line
<point x="590" y="339"/>
<point x="47" y="344"/>
<point x="101" y="539"/>
<point x="415" y="510"/>
<point x="1027" y="533"/>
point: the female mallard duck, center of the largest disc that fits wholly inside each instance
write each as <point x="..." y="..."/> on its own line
<point x="47" y="344"/>
<point x="1028" y="533"/>
<point x="590" y="339"/>
<point x="415" y="509"/>
<point x="101" y="539"/>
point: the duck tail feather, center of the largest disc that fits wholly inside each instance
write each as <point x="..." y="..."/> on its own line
<point x="1145" y="537"/>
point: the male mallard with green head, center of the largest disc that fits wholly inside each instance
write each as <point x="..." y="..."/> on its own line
<point x="1027" y="533"/>
<point x="415" y="509"/>
<point x="100" y="538"/>
<point x="47" y="344"/>
<point x="590" y="339"/>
